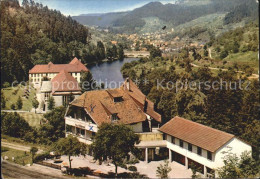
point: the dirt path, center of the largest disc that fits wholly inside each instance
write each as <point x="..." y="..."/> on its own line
<point x="18" y="147"/>
<point x="253" y="76"/>
<point x="210" y="53"/>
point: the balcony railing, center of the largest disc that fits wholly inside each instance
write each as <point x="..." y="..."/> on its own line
<point x="81" y="124"/>
<point x="150" y="136"/>
<point x="80" y="137"/>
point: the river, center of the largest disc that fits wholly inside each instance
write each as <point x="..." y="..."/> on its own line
<point x="109" y="72"/>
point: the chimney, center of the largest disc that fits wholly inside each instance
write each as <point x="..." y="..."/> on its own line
<point x="127" y="84"/>
<point x="49" y="65"/>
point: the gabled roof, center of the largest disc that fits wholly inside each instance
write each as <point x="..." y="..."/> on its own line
<point x="74" y="66"/>
<point x="196" y="134"/>
<point x="64" y="82"/>
<point x="100" y="105"/>
<point x="140" y="99"/>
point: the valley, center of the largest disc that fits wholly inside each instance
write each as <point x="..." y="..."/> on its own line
<point x="178" y="80"/>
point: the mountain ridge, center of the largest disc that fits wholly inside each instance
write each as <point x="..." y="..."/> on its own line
<point x="174" y="14"/>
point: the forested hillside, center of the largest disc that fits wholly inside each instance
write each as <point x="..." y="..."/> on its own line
<point x="243" y="10"/>
<point x="222" y="106"/>
<point x="103" y="20"/>
<point x="33" y="34"/>
<point x="239" y="46"/>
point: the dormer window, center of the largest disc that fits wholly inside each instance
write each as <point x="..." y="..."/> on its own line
<point x="114" y="117"/>
<point x="118" y="99"/>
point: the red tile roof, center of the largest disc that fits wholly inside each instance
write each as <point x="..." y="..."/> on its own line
<point x="140" y="99"/>
<point x="100" y="106"/>
<point x="196" y="134"/>
<point x="74" y="66"/>
<point x="64" y="82"/>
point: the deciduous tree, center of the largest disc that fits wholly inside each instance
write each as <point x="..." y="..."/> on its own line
<point x="69" y="146"/>
<point x="163" y="170"/>
<point x="33" y="151"/>
<point x="19" y="103"/>
<point x="115" y="142"/>
<point x="35" y="104"/>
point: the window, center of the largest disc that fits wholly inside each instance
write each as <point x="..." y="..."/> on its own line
<point x="118" y="99"/>
<point x="82" y="132"/>
<point x="181" y="143"/>
<point x="198" y="150"/>
<point x="114" y="117"/>
<point x="190" y="147"/>
<point x="164" y="136"/>
<point x="209" y="155"/>
<point x="68" y="128"/>
<point x="173" y="140"/>
<point x="78" y="131"/>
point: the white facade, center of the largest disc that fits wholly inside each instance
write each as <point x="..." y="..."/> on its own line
<point x="36" y="78"/>
<point x="82" y="129"/>
<point x="234" y="146"/>
<point x="214" y="161"/>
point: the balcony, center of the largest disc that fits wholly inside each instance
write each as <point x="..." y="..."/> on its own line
<point x="81" y="138"/>
<point x="81" y="124"/>
<point x="150" y="136"/>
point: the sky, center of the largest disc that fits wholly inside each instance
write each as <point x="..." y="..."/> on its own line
<point x="77" y="7"/>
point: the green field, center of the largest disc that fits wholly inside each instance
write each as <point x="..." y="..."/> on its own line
<point x="11" y="95"/>
<point x="20" y="157"/>
<point x="32" y="118"/>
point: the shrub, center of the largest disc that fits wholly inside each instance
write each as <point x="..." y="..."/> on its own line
<point x="223" y="54"/>
<point x="42" y="156"/>
<point x="6" y="85"/>
<point x="132" y="168"/>
<point x="12" y="106"/>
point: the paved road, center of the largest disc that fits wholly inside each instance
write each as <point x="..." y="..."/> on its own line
<point x="10" y="170"/>
<point x="18" y="147"/>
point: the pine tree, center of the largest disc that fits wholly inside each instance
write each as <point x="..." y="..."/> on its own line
<point x="51" y="103"/>
<point x="19" y="103"/>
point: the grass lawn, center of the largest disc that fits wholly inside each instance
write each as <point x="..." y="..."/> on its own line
<point x="20" y="157"/>
<point x="11" y="95"/>
<point x="249" y="58"/>
<point x="32" y="118"/>
<point x="14" y="140"/>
